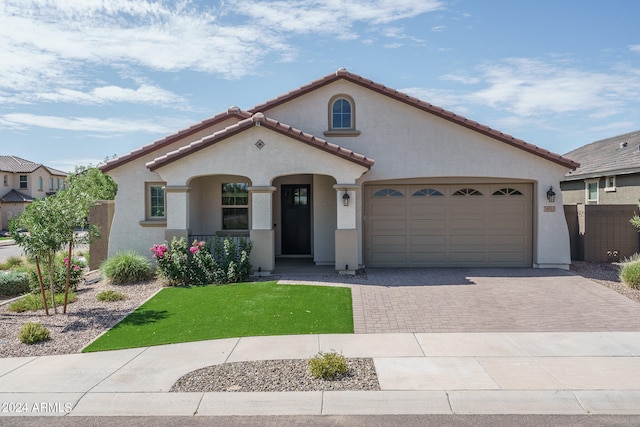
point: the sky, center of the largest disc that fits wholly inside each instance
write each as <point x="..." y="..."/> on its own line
<point x="84" y="80"/>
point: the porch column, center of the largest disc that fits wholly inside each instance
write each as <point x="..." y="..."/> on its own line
<point x="261" y="233"/>
<point x="346" y="233"/>
<point x="177" y="202"/>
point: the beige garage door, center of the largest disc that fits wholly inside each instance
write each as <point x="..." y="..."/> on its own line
<point x="448" y="225"/>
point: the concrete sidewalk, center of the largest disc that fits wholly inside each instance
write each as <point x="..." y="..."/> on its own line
<point x="419" y="373"/>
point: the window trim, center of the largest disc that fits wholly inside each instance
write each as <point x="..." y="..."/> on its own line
<point x="610" y="188"/>
<point x="587" y="183"/>
<point x="149" y="219"/>
<point x="25" y="182"/>
<point x="336" y="131"/>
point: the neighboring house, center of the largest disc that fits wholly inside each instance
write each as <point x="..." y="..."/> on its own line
<point x="22" y="182"/>
<point x="609" y="172"/>
<point x="297" y="175"/>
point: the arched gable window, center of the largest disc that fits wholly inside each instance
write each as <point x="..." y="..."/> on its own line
<point x="342" y="116"/>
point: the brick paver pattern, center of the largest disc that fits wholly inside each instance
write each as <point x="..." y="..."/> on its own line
<point x="483" y="300"/>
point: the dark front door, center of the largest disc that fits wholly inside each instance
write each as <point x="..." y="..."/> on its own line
<point x="296" y="220"/>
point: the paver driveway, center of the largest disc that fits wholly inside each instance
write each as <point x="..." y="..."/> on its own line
<point x="484" y="300"/>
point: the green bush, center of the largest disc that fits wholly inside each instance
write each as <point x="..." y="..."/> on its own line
<point x="33" y="302"/>
<point x="126" y="267"/>
<point x="110" y="296"/>
<point x="59" y="275"/>
<point x="14" y="283"/>
<point x="630" y="275"/>
<point x="182" y="265"/>
<point x="33" y="332"/>
<point x="328" y="366"/>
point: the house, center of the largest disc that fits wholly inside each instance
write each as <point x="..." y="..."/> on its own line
<point x="22" y="182"/>
<point x="609" y="172"/>
<point x="349" y="173"/>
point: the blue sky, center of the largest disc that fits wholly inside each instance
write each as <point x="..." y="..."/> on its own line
<point x="82" y="80"/>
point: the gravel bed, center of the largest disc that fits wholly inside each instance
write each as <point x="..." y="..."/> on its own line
<point x="86" y="318"/>
<point x="607" y="275"/>
<point x="276" y="375"/>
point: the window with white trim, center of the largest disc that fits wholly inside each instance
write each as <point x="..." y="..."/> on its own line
<point x="610" y="183"/>
<point x="156" y="202"/>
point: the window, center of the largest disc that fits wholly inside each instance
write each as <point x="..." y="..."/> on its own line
<point x="39" y="183"/>
<point x="610" y="183"/>
<point x="51" y="184"/>
<point x="467" y="192"/>
<point x="387" y="192"/>
<point x="6" y="180"/>
<point x="342" y="116"/>
<point x="592" y="191"/>
<point x="507" y="192"/>
<point x="156" y="201"/>
<point x="57" y="183"/>
<point x="23" y="181"/>
<point x="235" y="206"/>
<point x="426" y="192"/>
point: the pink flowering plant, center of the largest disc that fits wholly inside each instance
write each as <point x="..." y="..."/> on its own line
<point x="179" y="265"/>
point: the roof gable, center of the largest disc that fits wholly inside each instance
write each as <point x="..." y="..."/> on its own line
<point x="232" y="112"/>
<point x="259" y="119"/>
<point x="619" y="154"/>
<point x="417" y="103"/>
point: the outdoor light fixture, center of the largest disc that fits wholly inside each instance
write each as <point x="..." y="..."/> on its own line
<point x="345" y="198"/>
<point x="551" y="196"/>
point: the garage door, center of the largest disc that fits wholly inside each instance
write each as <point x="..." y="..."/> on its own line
<point x="433" y="225"/>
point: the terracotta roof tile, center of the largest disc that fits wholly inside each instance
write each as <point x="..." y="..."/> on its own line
<point x="415" y="102"/>
<point x="170" y="139"/>
<point x="262" y="120"/>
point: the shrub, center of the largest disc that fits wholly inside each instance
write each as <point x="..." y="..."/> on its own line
<point x="630" y="275"/>
<point x="11" y="263"/>
<point x="33" y="332"/>
<point x="33" y="302"/>
<point x="110" y="296"/>
<point x="328" y="366"/>
<point x="59" y="275"/>
<point x="182" y="265"/>
<point x="126" y="267"/>
<point x="14" y="283"/>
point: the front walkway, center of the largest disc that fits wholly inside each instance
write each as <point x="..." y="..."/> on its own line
<point x="480" y="300"/>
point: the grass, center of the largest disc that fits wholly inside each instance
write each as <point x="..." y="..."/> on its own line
<point x="245" y="309"/>
<point x="33" y="302"/>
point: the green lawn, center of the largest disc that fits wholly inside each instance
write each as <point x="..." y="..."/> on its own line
<point x="239" y="310"/>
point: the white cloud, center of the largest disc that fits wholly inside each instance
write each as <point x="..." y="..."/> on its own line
<point x="50" y="49"/>
<point x="145" y="94"/>
<point x="532" y="87"/>
<point x="89" y="124"/>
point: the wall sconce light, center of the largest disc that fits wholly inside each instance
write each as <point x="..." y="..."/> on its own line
<point x="345" y="198"/>
<point x="551" y="196"/>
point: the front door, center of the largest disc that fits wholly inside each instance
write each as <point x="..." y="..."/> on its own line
<point x="296" y="219"/>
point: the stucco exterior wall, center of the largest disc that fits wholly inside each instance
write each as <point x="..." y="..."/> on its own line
<point x="409" y="143"/>
<point x="625" y="192"/>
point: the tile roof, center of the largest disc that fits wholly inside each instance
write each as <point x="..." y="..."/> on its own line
<point x="232" y="112"/>
<point x="15" y="196"/>
<point x="18" y="165"/>
<point x="612" y="156"/>
<point x="354" y="78"/>
<point x="415" y="102"/>
<point x="259" y="119"/>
